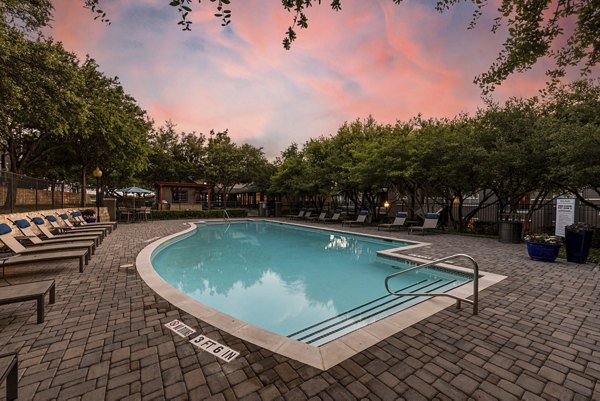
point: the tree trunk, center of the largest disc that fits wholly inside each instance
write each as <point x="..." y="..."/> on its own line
<point x="83" y="186"/>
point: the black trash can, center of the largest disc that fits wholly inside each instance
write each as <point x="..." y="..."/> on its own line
<point x="577" y="244"/>
<point x="509" y="232"/>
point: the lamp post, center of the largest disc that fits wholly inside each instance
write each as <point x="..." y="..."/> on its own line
<point x="97" y="173"/>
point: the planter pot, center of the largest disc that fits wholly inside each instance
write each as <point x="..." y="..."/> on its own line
<point x="542" y="252"/>
<point x="578" y="245"/>
<point x="510" y="231"/>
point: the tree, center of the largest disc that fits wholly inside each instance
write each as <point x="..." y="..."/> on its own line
<point x="289" y="173"/>
<point x="572" y="123"/>
<point x="227" y="164"/>
<point x="516" y="161"/>
<point x="40" y="97"/>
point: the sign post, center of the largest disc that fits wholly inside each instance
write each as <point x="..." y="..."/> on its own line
<point x="565" y="214"/>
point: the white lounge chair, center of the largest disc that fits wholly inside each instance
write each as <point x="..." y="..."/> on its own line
<point x="321" y="217"/>
<point x="397" y="223"/>
<point x="333" y="219"/>
<point x="360" y="219"/>
<point x="300" y="215"/>
<point x="430" y="222"/>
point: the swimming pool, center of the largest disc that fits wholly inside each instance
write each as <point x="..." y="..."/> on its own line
<point x="328" y="354"/>
<point x="306" y="284"/>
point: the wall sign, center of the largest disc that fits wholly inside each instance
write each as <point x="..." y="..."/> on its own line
<point x="565" y="214"/>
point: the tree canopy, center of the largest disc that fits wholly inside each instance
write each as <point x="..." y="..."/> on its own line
<point x="524" y="152"/>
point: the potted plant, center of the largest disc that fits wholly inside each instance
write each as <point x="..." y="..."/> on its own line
<point x="543" y="247"/>
<point x="88" y="215"/>
<point x="578" y="239"/>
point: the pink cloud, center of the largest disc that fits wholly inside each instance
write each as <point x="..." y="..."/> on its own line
<point x="390" y="61"/>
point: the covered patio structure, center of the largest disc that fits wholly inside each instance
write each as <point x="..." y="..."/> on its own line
<point x="182" y="195"/>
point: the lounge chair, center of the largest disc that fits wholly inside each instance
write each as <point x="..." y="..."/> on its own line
<point x="398" y="222"/>
<point x="10" y="241"/>
<point x="321" y="217"/>
<point x="90" y="236"/>
<point x="360" y="219"/>
<point x="69" y="227"/>
<point x="24" y="226"/>
<point x="79" y="254"/>
<point x="78" y="217"/>
<point x="430" y="222"/>
<point x="307" y="214"/>
<point x="35" y="291"/>
<point x="9" y="371"/>
<point x="301" y="214"/>
<point x="335" y="218"/>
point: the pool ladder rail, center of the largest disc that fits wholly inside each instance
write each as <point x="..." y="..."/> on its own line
<point x="474" y="302"/>
<point x="226" y="216"/>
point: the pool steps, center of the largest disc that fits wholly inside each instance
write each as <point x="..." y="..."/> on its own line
<point x="355" y="318"/>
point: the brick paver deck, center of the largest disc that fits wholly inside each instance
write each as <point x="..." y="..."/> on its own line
<point x="537" y="336"/>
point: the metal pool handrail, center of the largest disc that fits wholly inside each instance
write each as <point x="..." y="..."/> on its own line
<point x="474" y="302"/>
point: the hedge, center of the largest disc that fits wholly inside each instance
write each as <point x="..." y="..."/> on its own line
<point x="197" y="214"/>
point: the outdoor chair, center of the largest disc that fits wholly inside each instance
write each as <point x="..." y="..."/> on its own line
<point x="35" y="291"/>
<point x="69" y="227"/>
<point x="9" y="371"/>
<point x="90" y="236"/>
<point x="360" y="219"/>
<point x="17" y="259"/>
<point x="335" y="218"/>
<point x="24" y="226"/>
<point x="300" y="215"/>
<point x="10" y="241"/>
<point x="124" y="214"/>
<point x="430" y="222"/>
<point x="78" y="218"/>
<point x="321" y="217"/>
<point x="143" y="214"/>
<point x="398" y="222"/>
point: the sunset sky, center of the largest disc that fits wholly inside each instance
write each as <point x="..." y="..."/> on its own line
<point x="372" y="58"/>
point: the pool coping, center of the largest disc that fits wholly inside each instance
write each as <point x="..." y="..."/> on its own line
<point x="333" y="352"/>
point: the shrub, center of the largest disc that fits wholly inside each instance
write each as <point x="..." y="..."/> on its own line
<point x="485" y="227"/>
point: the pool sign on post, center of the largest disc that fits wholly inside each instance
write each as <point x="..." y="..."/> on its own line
<point x="565" y="214"/>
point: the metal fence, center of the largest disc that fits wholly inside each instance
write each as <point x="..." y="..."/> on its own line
<point x="23" y="193"/>
<point x="542" y="220"/>
<point x="485" y="220"/>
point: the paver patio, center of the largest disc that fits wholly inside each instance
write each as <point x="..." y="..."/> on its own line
<point x="537" y="336"/>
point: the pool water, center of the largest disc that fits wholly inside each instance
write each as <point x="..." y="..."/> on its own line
<point x="309" y="284"/>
